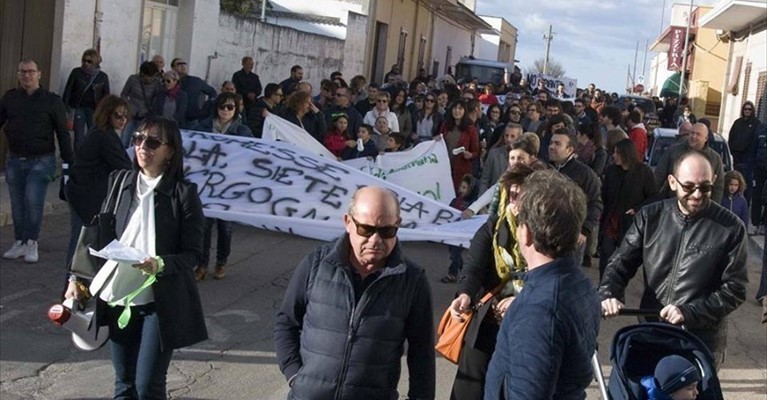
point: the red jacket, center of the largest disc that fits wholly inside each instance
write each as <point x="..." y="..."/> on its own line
<point x="459" y="165"/>
<point x="638" y="135"/>
<point x="335" y="142"/>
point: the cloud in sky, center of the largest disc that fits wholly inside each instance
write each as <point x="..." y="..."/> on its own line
<point x="594" y="40"/>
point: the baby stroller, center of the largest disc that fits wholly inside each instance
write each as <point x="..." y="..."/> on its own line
<point x="636" y="349"/>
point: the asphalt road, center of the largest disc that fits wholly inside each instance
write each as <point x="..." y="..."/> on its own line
<point x="37" y="360"/>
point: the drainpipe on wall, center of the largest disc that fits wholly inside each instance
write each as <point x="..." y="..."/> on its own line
<point x="98" y="17"/>
<point x="372" y="9"/>
<point x="210" y="58"/>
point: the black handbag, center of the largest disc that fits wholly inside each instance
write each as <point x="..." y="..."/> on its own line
<point x="99" y="233"/>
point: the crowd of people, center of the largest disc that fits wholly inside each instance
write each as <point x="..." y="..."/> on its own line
<point x="564" y="180"/>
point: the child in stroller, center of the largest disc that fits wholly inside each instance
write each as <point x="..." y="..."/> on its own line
<point x="675" y="378"/>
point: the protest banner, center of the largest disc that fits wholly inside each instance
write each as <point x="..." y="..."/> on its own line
<point x="281" y="187"/>
<point x="571" y="85"/>
<point x="424" y="169"/>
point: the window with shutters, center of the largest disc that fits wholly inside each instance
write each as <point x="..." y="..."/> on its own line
<point x="746" y="82"/>
<point x="761" y="97"/>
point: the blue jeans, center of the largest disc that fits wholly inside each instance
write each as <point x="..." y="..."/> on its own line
<point x="223" y="243"/>
<point x="140" y="362"/>
<point x="456" y="260"/>
<point x="76" y="225"/>
<point x="762" y="291"/>
<point x="82" y="124"/>
<point x="28" y="179"/>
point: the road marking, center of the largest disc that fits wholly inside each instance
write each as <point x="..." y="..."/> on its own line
<point x="10" y="314"/>
<point x="15" y="296"/>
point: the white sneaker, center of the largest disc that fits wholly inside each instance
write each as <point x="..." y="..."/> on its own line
<point x="31" y="256"/>
<point x="17" y="250"/>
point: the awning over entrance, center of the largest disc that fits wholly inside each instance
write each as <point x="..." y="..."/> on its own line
<point x="671" y="86"/>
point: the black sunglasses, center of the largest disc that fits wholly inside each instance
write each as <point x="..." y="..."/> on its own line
<point x="690" y="188"/>
<point x="430" y="100"/>
<point x="386" y="232"/>
<point x="150" y="142"/>
<point x="229" y="107"/>
<point x="119" y="116"/>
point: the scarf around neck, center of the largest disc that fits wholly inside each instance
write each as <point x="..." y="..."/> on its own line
<point x="507" y="256"/>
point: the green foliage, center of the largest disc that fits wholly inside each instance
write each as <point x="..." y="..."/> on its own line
<point x="244" y="8"/>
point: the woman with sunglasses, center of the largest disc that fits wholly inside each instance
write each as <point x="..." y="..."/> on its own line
<point x="226" y="122"/>
<point x="85" y="88"/>
<point x="152" y="307"/>
<point x="428" y="120"/>
<point x="628" y="184"/>
<point x="171" y="103"/>
<point x="400" y="109"/>
<point x="100" y="153"/>
<point x="382" y="110"/>
<point x="494" y="259"/>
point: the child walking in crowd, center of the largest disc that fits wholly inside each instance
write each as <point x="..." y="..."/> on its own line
<point x="734" y="200"/>
<point x="467" y="194"/>
<point x="364" y="146"/>
<point x="337" y="138"/>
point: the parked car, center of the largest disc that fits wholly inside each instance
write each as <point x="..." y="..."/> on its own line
<point x="663" y="138"/>
<point x="651" y="119"/>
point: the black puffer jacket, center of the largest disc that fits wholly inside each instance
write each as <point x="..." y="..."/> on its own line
<point x="330" y="346"/>
<point x="697" y="264"/>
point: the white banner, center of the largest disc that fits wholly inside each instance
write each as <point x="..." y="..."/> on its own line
<point x="571" y="85"/>
<point x="424" y="169"/>
<point x="281" y="187"/>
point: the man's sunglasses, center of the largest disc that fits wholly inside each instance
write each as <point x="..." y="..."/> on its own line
<point x="150" y="142"/>
<point x="229" y="107"/>
<point x="690" y="188"/>
<point x="386" y="232"/>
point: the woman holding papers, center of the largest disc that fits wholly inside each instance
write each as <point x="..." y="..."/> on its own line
<point x="152" y="306"/>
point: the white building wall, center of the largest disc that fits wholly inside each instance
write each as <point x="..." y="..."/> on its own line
<point x="658" y="73"/>
<point x="448" y="34"/>
<point x="752" y="50"/>
<point x="355" y="45"/>
<point x="275" y="49"/>
<point x="120" y="28"/>
<point x="487" y="46"/>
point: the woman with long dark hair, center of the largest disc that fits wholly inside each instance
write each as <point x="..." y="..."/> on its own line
<point x="152" y="307"/>
<point x="399" y="108"/>
<point x="628" y="185"/>
<point x="429" y="119"/>
<point x="100" y="153"/>
<point x="462" y="141"/>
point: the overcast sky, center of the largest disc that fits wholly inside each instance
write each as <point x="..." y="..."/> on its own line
<point x="594" y="40"/>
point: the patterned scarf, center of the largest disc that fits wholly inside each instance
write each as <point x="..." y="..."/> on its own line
<point x="509" y="259"/>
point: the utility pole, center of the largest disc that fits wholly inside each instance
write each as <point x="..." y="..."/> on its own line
<point x="644" y="60"/>
<point x="634" y="76"/>
<point x="548" y="38"/>
<point x="686" y="47"/>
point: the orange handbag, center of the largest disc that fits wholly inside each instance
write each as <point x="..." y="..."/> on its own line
<point x="450" y="332"/>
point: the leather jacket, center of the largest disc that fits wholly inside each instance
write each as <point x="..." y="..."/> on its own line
<point x="696" y="263"/>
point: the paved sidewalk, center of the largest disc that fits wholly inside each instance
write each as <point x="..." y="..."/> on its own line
<point x="52" y="203"/>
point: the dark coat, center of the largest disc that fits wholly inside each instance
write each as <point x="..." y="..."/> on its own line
<point x="547" y="337"/>
<point x="741" y="138"/>
<point x="100" y="153"/>
<point x="334" y="344"/>
<point x="195" y="88"/>
<point x="178" y="233"/>
<point x="181" y="103"/>
<point x="245" y="83"/>
<point x="665" y="168"/>
<point x="236" y="128"/>
<point x="313" y="123"/>
<point x="79" y="92"/>
<point x="254" y="117"/>
<point x="697" y="264"/>
<point x="588" y="181"/>
<point x="625" y="190"/>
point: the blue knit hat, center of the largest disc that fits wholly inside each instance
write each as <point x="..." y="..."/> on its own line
<point x="675" y="372"/>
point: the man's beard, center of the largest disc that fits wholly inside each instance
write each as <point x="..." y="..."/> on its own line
<point x="691" y="209"/>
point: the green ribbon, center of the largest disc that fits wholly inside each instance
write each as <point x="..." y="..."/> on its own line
<point x="124" y="318"/>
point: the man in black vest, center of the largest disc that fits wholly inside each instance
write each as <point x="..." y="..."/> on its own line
<point x="349" y="308"/>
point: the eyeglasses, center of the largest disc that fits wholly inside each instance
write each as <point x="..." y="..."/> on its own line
<point x="515" y="112"/>
<point x="748" y="109"/>
<point x="386" y="232"/>
<point x="430" y="100"/>
<point x="340" y="94"/>
<point x="229" y="107"/>
<point x="383" y="101"/>
<point x="150" y="142"/>
<point x="495" y="111"/>
<point x="120" y="116"/>
<point x="27" y="71"/>
<point x="690" y="188"/>
<point x="170" y="80"/>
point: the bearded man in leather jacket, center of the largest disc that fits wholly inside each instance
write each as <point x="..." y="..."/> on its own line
<point x="693" y="256"/>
